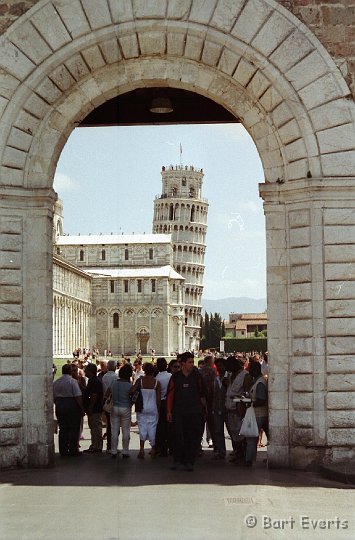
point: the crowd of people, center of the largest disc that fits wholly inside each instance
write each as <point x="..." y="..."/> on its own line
<point x="175" y="405"/>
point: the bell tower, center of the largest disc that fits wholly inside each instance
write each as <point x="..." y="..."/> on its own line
<point x="181" y="211"/>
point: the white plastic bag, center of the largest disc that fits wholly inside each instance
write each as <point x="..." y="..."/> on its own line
<point x="249" y="426"/>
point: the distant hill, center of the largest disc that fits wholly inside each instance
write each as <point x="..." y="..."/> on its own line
<point x="225" y="306"/>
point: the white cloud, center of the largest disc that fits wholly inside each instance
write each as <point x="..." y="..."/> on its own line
<point x="63" y="182"/>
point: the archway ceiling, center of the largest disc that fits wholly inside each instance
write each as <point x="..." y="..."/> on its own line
<point x="132" y="108"/>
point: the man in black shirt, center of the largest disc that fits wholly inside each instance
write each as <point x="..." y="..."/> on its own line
<point x="93" y="398"/>
<point x="186" y="407"/>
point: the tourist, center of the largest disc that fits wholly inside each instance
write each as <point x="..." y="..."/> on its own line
<point x="107" y="379"/>
<point x="148" y="418"/>
<point x="186" y="405"/>
<point x="69" y="410"/>
<point x="138" y="370"/>
<point x="162" y="436"/>
<point x="78" y="374"/>
<point x="219" y="409"/>
<point x="235" y="411"/>
<point x="121" y="413"/>
<point x="208" y="374"/>
<point x="93" y="398"/>
<point x="259" y="396"/>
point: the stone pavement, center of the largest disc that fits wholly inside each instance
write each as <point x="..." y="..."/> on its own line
<point x="94" y="497"/>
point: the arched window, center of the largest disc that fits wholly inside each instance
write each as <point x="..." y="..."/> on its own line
<point x="116" y="320"/>
<point x="103" y="254"/>
<point x="81" y="255"/>
<point x="171" y="212"/>
<point x="151" y="253"/>
<point x="192" y="213"/>
<point x="126" y="254"/>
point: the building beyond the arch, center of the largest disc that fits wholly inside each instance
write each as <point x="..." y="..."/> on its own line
<point x="138" y="292"/>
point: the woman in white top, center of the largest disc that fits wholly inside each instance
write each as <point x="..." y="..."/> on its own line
<point x="148" y="418"/>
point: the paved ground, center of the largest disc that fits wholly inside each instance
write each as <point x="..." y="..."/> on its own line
<point x="97" y="498"/>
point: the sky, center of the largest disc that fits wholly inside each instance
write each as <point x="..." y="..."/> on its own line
<point x="108" y="177"/>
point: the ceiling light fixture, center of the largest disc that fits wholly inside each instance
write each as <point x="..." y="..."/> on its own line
<point x="161" y="105"/>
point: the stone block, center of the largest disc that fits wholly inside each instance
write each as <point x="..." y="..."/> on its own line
<point x="10" y="312"/>
<point x="302" y="436"/>
<point x="341" y="437"/>
<point x="77" y="67"/>
<point x="338" y="271"/>
<point x="340" y="419"/>
<point x="300" y="364"/>
<point x="344" y="382"/>
<point x="51" y="27"/>
<point x="14" y="158"/>
<point x="341" y="327"/>
<point x="340" y="290"/>
<point x="300" y="255"/>
<point x="272" y="34"/>
<point x="37" y="106"/>
<point x="277" y="399"/>
<point x="299" y="237"/>
<point x="11" y="383"/>
<point x="8" y="85"/>
<point x="73" y="16"/>
<point x="31" y="43"/>
<point x="97" y="12"/>
<point x="302" y="383"/>
<point x="211" y="53"/>
<point x="307" y="70"/>
<point x="276" y="238"/>
<point x="129" y="46"/>
<point x="278" y="418"/>
<point x="302" y="419"/>
<point x="323" y="89"/>
<point x="277" y="275"/>
<point x="10" y="419"/>
<point x="48" y="91"/>
<point x="14" y="61"/>
<point x="176" y="43"/>
<point x="10" y="437"/>
<point x="302" y="400"/>
<point x="193" y="48"/>
<point x="298" y="169"/>
<point x="293" y="49"/>
<point x="302" y="346"/>
<point x="93" y="58"/>
<point x="301" y="273"/>
<point x="296" y="150"/>
<point x="279" y="434"/>
<point x="300" y="292"/>
<point x="111" y="51"/>
<point x="154" y="9"/>
<point x="339" y="137"/>
<point x="335" y="253"/>
<point x="289" y="132"/>
<point x="339" y="216"/>
<point x="258" y="85"/>
<point x="337" y="345"/>
<point x="11" y="294"/>
<point x="339" y="164"/>
<point x="10" y="366"/>
<point x="10" y="347"/>
<point x="3" y="104"/>
<point x="228" y="61"/>
<point x="225" y="14"/>
<point x="278" y="382"/>
<point x="19" y="139"/>
<point x="339" y="234"/>
<point x="302" y="328"/>
<point x="341" y="364"/>
<point x="10" y="330"/>
<point x="10" y="401"/>
<point x="244" y="72"/>
<point x="341" y="400"/>
<point x="301" y="310"/>
<point x="251" y="19"/>
<point x="26" y="122"/>
<point x="202" y="10"/>
<point x="121" y="11"/>
<point x="152" y="43"/>
<point x="282" y="114"/>
<point x="331" y="114"/>
<point x="10" y="243"/>
<point x="271" y="99"/>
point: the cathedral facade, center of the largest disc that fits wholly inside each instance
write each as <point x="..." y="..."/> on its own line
<point x="138" y="292"/>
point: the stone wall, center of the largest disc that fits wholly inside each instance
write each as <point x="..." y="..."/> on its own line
<point x="332" y="21"/>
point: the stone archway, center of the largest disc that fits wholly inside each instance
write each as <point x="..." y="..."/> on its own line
<point x="58" y="62"/>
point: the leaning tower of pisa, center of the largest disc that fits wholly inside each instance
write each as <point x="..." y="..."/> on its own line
<point x="182" y="211"/>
